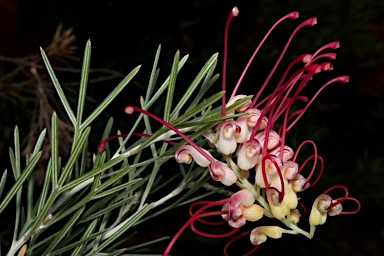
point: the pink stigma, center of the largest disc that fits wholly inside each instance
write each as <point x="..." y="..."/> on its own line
<point x="292" y="15"/>
<point x="233" y="13"/>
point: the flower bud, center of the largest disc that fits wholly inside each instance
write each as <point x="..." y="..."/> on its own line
<point x="244" y="132"/>
<point x="249" y="155"/>
<point x="253" y="212"/>
<point x="186" y="153"/>
<point x="241" y="108"/>
<point x="295" y="216"/>
<point x="290" y="170"/>
<point x="290" y="198"/>
<point x="298" y="183"/>
<point x="221" y="172"/>
<point x="319" y="210"/>
<point x="253" y="118"/>
<point x="259" y="234"/>
<point x="335" y="210"/>
<point x="279" y="209"/>
<point x="273" y="139"/>
<point x="227" y="142"/>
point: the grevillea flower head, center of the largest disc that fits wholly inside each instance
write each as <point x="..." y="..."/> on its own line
<point x="268" y="172"/>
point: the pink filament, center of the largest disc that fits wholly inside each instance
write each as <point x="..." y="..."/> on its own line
<point x="130" y="109"/>
<point x="234" y="12"/>
<point x="237" y="237"/>
<point x="342" y="79"/>
<point x="292" y="15"/>
<point x="309" y="22"/>
<point x="271" y="158"/>
<point x="343" y="199"/>
<point x="195" y="216"/>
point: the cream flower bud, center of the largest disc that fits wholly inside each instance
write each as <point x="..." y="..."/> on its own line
<point x="270" y="170"/>
<point x="227" y="142"/>
<point x="221" y="172"/>
<point x="253" y="212"/>
<point x="241" y="200"/>
<point x="287" y="154"/>
<point x="295" y="216"/>
<point x="290" y="198"/>
<point x="298" y="183"/>
<point x="319" y="210"/>
<point x="241" y="108"/>
<point x="279" y="209"/>
<point x="235" y="219"/>
<point x="253" y="117"/>
<point x="290" y="170"/>
<point x="259" y="234"/>
<point x="249" y="155"/>
<point x="186" y="153"/>
<point x="335" y="210"/>
<point x="273" y="139"/>
<point x="244" y="132"/>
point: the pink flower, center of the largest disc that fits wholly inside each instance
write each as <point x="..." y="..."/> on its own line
<point x="242" y="208"/>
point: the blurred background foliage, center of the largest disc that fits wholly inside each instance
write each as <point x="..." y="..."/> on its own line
<point x="346" y="121"/>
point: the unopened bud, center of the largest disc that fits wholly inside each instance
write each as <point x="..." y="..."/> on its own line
<point x="253" y="212"/>
<point x="335" y="210"/>
<point x="259" y="234"/>
<point x="295" y="216"/>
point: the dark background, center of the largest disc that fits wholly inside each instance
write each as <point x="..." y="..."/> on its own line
<point x="346" y="120"/>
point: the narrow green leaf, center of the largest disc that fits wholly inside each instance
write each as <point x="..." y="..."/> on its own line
<point x="69" y="210"/>
<point x="135" y="247"/>
<point x="107" y="208"/>
<point x="44" y="192"/>
<point x="59" y="235"/>
<point x="39" y="142"/>
<point x="58" y="88"/>
<point x="87" y="236"/>
<point x="153" y="99"/>
<point x="19" y="182"/>
<point x="54" y="150"/>
<point x="120" y="173"/>
<point x="110" y="97"/>
<point x="2" y="181"/>
<point x="153" y="77"/>
<point x="202" y="73"/>
<point x="199" y="108"/>
<point x="17" y="215"/>
<point x="31" y="186"/>
<point x="164" y="86"/>
<point x="90" y="174"/>
<point x="124" y="226"/>
<point x="204" y="87"/>
<point x="83" y="160"/>
<point x="83" y="82"/>
<point x="115" y="189"/>
<point x="78" y="148"/>
<point x="106" y="134"/>
<point x="15" y="156"/>
<point x="171" y="87"/>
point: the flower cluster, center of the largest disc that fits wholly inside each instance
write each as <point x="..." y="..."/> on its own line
<point x="250" y="150"/>
<point x="256" y="158"/>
